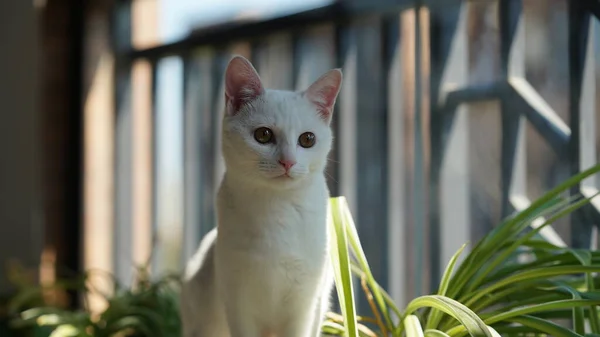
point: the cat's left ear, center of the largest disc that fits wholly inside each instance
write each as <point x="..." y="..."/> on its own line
<point x="324" y="91"/>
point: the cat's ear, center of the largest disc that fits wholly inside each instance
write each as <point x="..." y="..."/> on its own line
<point x="324" y="91"/>
<point x="242" y="84"/>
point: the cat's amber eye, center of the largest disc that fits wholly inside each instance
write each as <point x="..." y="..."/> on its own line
<point x="263" y="135"/>
<point x="307" y="140"/>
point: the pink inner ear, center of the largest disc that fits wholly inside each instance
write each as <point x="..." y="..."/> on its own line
<point x="242" y="84"/>
<point x="323" y="92"/>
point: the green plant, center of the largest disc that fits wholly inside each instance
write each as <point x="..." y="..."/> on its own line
<point x="148" y="308"/>
<point x="487" y="294"/>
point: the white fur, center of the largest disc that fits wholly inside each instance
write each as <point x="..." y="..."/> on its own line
<point x="266" y="273"/>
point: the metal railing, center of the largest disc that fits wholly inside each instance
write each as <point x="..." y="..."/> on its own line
<point x="413" y="123"/>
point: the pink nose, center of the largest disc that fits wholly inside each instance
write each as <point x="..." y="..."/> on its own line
<point x="287" y="164"/>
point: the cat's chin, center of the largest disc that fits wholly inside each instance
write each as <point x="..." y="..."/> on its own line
<point x="284" y="181"/>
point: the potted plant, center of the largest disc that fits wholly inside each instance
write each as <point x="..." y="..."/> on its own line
<point x="489" y="293"/>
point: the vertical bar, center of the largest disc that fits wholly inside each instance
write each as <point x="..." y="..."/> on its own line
<point x="513" y="132"/>
<point x="425" y="92"/>
<point x="192" y="154"/>
<point x="123" y="232"/>
<point x="422" y="153"/>
<point x="123" y="258"/>
<point x="346" y="116"/>
<point x="99" y="145"/>
<point x="169" y="175"/>
<point x="345" y="119"/>
<point x="198" y="134"/>
<point x="74" y="159"/>
<point x="207" y="115"/>
<point x="407" y="45"/>
<point x="397" y="230"/>
<point x="579" y="27"/>
<point x="588" y="110"/>
<point x="418" y="181"/>
<point x="142" y="168"/>
<point x="154" y="147"/>
<point x="449" y="184"/>
<point x="371" y="149"/>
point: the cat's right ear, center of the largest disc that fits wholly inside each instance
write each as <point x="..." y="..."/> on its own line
<point x="242" y="84"/>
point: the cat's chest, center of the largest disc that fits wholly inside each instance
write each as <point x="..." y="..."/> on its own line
<point x="279" y="229"/>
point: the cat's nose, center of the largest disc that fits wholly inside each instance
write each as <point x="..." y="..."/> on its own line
<point x="287" y="164"/>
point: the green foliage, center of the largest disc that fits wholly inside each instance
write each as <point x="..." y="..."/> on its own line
<point x="149" y="309"/>
<point x="489" y="293"/>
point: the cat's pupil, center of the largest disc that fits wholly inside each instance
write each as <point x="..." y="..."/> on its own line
<point x="307" y="139"/>
<point x="263" y="135"/>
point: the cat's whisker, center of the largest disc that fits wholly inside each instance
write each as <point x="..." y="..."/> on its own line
<point x="331" y="177"/>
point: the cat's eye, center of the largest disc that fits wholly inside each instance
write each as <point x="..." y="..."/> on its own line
<point x="307" y="140"/>
<point x="263" y="135"/>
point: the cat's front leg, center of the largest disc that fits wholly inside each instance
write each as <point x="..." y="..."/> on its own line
<point x="323" y="302"/>
<point x="299" y="326"/>
<point x="240" y="322"/>
<point x="238" y="298"/>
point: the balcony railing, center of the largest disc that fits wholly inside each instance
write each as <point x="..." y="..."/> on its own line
<point x="452" y="115"/>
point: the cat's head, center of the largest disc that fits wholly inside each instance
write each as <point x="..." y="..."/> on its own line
<point x="274" y="137"/>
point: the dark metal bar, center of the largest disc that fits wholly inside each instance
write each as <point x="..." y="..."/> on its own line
<point x="211" y="128"/>
<point x="74" y="153"/>
<point x="444" y="17"/>
<point x="154" y="150"/>
<point x="419" y="182"/>
<point x="527" y="102"/>
<point x="509" y="12"/>
<point x="579" y="22"/>
<point x="121" y="30"/>
<point x="221" y="34"/>
<point x="480" y="92"/>
<point x="508" y="18"/>
<point x="341" y="49"/>
<point x="510" y="133"/>
<point x="371" y="187"/>
<point x="205" y="129"/>
<point x="192" y="155"/>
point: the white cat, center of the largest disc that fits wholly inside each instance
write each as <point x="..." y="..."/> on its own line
<point x="266" y="273"/>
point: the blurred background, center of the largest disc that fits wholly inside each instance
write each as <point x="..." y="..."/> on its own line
<point x="453" y="114"/>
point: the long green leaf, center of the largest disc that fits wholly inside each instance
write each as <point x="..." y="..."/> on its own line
<point x="544" y="326"/>
<point x="435" y="315"/>
<point x="341" y="265"/>
<point x="362" y="259"/>
<point x="554" y="305"/>
<point x="534" y="274"/>
<point x="472" y="323"/>
<point x="435" y="333"/>
<point x="413" y="326"/>
<point x="585" y="258"/>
